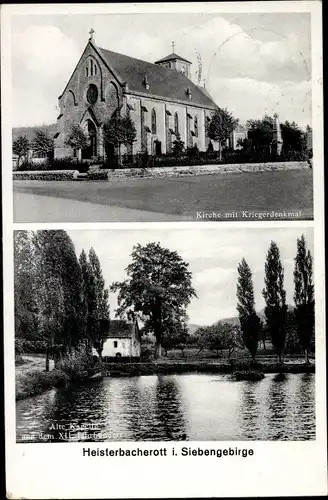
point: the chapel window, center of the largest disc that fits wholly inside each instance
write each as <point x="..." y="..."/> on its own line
<point x="176" y="123"/>
<point x="196" y="126"/>
<point x="115" y="343"/>
<point x="153" y="122"/>
<point x="86" y="71"/>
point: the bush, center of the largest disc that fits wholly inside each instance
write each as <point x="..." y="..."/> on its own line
<point x="36" y="382"/>
<point x="101" y="175"/>
<point x="146" y="352"/>
<point x="28" y="166"/>
<point x="77" y="365"/>
<point x="65" y="175"/>
<point x="251" y="375"/>
<point x="68" y="163"/>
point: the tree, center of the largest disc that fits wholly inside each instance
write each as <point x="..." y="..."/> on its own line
<point x="220" y="126"/>
<point x="275" y="298"/>
<point x="42" y="144"/>
<point x="158" y="287"/>
<point x="201" y="338"/>
<point x="260" y="132"/>
<point x="26" y="314"/>
<point x="119" y="130"/>
<point x="99" y="313"/>
<point x="304" y="296"/>
<point x="294" y="139"/>
<point x="77" y="139"/>
<point x="21" y="147"/>
<point x="59" y="291"/>
<point x="292" y="345"/>
<point x="178" y="146"/>
<point x="250" y="323"/>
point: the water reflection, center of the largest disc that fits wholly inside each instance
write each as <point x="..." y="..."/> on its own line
<point x="279" y="410"/>
<point x="193" y="407"/>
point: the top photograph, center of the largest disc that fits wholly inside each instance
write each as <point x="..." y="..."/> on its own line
<point x="161" y="117"/>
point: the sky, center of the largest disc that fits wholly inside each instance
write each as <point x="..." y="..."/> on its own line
<point x="213" y="256"/>
<point x="253" y="64"/>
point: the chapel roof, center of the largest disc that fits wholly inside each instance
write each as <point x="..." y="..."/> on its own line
<point x="163" y="82"/>
<point x="120" y="329"/>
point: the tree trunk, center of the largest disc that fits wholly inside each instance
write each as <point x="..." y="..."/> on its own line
<point x="307" y="361"/>
<point x="119" y="158"/>
<point x="47" y="359"/>
<point x="79" y="154"/>
<point x="99" y="351"/>
<point x="263" y="341"/>
<point x="158" y="348"/>
<point x="280" y="357"/>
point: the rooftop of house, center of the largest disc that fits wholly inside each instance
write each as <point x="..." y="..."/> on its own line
<point x="120" y="329"/>
<point x="161" y="81"/>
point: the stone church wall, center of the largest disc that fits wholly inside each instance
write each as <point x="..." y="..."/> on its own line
<point x="75" y="108"/>
<point x="73" y="104"/>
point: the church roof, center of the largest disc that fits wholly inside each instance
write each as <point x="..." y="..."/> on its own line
<point x="172" y="57"/>
<point x="120" y="329"/>
<point x="163" y="82"/>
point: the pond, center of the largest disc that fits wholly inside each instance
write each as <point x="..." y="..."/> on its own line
<point x="197" y="407"/>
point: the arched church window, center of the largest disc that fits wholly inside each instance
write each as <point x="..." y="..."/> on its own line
<point x="91" y="67"/>
<point x="196" y="126"/>
<point x="176" y="123"/>
<point x="86" y="71"/>
<point x="153" y="122"/>
<point x="115" y="343"/>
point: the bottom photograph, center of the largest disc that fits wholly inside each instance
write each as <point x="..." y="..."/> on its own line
<point x="202" y="334"/>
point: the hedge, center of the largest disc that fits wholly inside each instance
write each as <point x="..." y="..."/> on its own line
<point x="98" y="175"/>
<point x="51" y="175"/>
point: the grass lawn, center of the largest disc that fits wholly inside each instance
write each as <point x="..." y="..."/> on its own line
<point x="290" y="190"/>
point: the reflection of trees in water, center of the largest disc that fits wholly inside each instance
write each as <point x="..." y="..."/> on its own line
<point x="72" y="409"/>
<point x="250" y="409"/>
<point x="32" y="416"/>
<point x="169" y="408"/>
<point x="81" y="408"/>
<point x="278" y="408"/>
<point x="304" y="407"/>
<point x="157" y="410"/>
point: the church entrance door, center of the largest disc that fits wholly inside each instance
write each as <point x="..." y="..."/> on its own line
<point x="91" y="150"/>
<point x="158" y="148"/>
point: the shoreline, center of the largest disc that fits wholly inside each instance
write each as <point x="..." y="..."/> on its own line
<point x="33" y="385"/>
<point x="177" y="368"/>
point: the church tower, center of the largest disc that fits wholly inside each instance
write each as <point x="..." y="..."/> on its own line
<point x="174" y="61"/>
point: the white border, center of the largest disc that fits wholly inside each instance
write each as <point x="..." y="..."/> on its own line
<point x="58" y="470"/>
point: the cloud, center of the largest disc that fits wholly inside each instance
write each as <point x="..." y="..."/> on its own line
<point x="46" y="51"/>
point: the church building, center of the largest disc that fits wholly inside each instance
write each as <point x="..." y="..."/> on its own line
<point x="160" y="98"/>
<point x="123" y="340"/>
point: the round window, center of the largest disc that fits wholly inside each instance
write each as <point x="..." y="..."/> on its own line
<point x="92" y="94"/>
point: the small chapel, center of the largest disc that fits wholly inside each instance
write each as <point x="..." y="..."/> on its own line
<point x="160" y="98"/>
